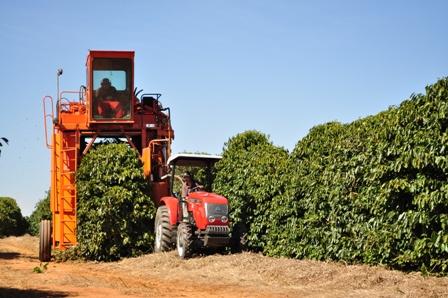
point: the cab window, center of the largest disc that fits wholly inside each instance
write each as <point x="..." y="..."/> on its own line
<point x="116" y="77"/>
<point x="111" y="89"/>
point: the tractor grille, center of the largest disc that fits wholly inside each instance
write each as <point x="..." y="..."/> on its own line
<point x="221" y="230"/>
<point x="215" y="209"/>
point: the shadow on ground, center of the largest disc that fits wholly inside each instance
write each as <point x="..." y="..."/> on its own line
<point x="9" y="255"/>
<point x="11" y="292"/>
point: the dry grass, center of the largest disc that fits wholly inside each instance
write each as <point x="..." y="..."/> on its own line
<point x="281" y="275"/>
<point x="238" y="275"/>
<point x="25" y="245"/>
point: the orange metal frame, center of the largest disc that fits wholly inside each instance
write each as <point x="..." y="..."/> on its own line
<point x="73" y="124"/>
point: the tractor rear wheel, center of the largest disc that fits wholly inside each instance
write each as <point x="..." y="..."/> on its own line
<point x="184" y="240"/>
<point x="45" y="240"/>
<point x="163" y="241"/>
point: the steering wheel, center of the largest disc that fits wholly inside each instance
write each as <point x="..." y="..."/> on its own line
<point x="197" y="188"/>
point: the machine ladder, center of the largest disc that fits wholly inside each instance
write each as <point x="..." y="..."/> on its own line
<point x="66" y="149"/>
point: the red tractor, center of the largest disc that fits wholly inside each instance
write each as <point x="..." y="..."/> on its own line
<point x="192" y="217"/>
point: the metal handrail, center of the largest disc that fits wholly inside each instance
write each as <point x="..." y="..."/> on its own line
<point x="49" y="99"/>
<point x="151" y="145"/>
<point x="63" y="106"/>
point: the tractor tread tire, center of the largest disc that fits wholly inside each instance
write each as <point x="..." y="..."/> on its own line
<point x="163" y="219"/>
<point x="185" y="239"/>
<point x="45" y="240"/>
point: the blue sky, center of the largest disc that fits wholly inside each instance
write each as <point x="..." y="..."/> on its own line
<point x="223" y="67"/>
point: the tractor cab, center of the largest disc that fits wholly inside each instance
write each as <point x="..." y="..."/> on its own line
<point x="193" y="217"/>
<point x="191" y="173"/>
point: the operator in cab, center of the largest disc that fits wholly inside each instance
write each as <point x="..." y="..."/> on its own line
<point x="189" y="185"/>
<point x="106" y="91"/>
<point x="107" y="102"/>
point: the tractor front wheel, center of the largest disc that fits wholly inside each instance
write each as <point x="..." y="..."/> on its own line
<point x="45" y="240"/>
<point x="163" y="241"/>
<point x="184" y="240"/>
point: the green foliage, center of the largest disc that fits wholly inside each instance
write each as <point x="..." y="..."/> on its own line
<point x="251" y="173"/>
<point x="373" y="191"/>
<point x="70" y="254"/>
<point x="41" y="211"/>
<point x="3" y="140"/>
<point x="11" y="221"/>
<point x="41" y="268"/>
<point x="115" y="214"/>
<point x="243" y="141"/>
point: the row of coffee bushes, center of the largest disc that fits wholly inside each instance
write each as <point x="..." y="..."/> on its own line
<point x="373" y="191"/>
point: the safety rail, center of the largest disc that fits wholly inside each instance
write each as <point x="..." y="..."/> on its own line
<point x="65" y="105"/>
<point x="150" y="147"/>
<point x="45" y="100"/>
<point x="152" y="143"/>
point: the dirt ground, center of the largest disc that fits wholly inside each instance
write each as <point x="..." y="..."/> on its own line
<point x="238" y="275"/>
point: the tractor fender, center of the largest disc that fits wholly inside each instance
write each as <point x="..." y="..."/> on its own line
<point x="173" y="206"/>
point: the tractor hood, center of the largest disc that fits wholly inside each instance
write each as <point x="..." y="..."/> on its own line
<point x="209" y="209"/>
<point x="207" y="197"/>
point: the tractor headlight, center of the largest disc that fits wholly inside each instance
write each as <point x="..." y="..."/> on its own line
<point x="211" y="218"/>
<point x="224" y="219"/>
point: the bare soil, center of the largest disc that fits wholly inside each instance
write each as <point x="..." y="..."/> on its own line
<point x="238" y="275"/>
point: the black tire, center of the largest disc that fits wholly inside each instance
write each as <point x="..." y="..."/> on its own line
<point x="174" y="236"/>
<point x="163" y="230"/>
<point x="184" y="241"/>
<point x="45" y="240"/>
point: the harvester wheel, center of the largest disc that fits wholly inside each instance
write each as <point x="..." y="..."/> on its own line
<point x="45" y="240"/>
<point x="184" y="240"/>
<point x="163" y="241"/>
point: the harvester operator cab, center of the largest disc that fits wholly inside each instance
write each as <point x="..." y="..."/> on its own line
<point x="111" y="85"/>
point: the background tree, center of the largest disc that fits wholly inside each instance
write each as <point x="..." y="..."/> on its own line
<point x="3" y="140"/>
<point x="11" y="221"/>
<point x="41" y="211"/>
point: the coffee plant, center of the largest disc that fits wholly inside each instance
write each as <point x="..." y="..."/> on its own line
<point x="115" y="213"/>
<point x="372" y="191"/>
<point x="250" y="174"/>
